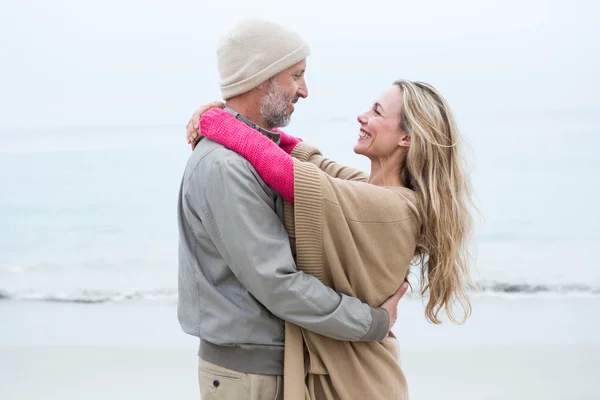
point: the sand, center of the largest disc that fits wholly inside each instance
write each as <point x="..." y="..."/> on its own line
<point x="511" y="349"/>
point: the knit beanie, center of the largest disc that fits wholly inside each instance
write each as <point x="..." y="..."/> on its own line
<point x="255" y="50"/>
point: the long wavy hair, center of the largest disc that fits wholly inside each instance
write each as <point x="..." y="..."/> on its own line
<point x="434" y="170"/>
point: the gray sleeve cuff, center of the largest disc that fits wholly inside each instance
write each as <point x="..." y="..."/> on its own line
<point x="380" y="326"/>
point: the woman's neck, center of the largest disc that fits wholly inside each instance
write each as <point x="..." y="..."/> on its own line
<point x="386" y="173"/>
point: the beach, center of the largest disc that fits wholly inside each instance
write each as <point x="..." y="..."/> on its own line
<point x="88" y="267"/>
<point x="512" y="348"/>
<point x="95" y="101"/>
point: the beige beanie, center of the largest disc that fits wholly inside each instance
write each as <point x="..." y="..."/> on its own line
<point x="255" y="50"/>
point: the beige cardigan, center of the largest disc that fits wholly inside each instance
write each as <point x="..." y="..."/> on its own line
<point x="358" y="239"/>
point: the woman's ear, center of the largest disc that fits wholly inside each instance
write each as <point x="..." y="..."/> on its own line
<point x="404" y="140"/>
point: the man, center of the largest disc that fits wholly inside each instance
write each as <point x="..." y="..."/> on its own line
<point x="237" y="277"/>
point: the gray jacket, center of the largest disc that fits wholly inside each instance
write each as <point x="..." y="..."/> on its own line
<point x="237" y="277"/>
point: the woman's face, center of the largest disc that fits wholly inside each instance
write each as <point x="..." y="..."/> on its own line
<point x="380" y="135"/>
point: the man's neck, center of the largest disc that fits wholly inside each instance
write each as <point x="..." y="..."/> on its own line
<point x="274" y="136"/>
<point x="248" y="109"/>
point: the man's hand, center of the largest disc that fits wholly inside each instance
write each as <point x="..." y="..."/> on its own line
<point x="193" y="134"/>
<point x="391" y="304"/>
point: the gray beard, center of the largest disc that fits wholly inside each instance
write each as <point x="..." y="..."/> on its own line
<point x="273" y="107"/>
<point x="273" y="121"/>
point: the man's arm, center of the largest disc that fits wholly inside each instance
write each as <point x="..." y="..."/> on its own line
<point x="240" y="217"/>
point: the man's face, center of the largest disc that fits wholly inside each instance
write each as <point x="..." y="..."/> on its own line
<point x="282" y="92"/>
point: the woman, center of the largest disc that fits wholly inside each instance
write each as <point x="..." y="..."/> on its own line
<point x="360" y="234"/>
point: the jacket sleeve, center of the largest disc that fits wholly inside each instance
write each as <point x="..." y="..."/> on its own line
<point x="240" y="217"/>
<point x="308" y="153"/>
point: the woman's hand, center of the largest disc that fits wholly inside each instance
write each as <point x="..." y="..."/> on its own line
<point x="193" y="134"/>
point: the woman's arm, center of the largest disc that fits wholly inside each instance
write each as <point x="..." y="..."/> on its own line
<point x="311" y="154"/>
<point x="288" y="143"/>
<point x="308" y="153"/>
<point x="274" y="165"/>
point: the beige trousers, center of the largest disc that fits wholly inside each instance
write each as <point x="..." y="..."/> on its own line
<point x="218" y="383"/>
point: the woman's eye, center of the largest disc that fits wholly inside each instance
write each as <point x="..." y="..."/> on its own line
<point x="376" y="112"/>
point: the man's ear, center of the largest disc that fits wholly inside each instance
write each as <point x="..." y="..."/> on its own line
<point x="262" y="87"/>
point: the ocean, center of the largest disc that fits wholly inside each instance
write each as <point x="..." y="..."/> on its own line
<point x="88" y="214"/>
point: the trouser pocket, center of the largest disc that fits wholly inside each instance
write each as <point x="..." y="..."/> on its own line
<point x="218" y="383"/>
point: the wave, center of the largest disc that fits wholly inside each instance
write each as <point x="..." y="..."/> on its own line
<point x="524" y="288"/>
<point x="93" y="296"/>
<point x="499" y="289"/>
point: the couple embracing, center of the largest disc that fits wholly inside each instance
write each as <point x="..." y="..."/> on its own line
<point x="291" y="266"/>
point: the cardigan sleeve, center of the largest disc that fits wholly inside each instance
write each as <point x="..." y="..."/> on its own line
<point x="311" y="154"/>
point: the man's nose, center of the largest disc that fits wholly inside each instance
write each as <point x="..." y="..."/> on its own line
<point x="303" y="89"/>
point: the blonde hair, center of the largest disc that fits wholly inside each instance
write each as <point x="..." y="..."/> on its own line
<point x="434" y="171"/>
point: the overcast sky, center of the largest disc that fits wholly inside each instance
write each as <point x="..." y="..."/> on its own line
<point x="145" y="62"/>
